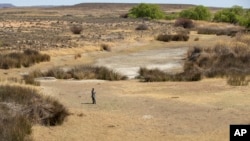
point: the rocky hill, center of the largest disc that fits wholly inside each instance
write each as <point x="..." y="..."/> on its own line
<point x="6" y="5"/>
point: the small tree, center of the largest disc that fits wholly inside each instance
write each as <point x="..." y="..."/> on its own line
<point x="146" y="11"/>
<point x="196" y="13"/>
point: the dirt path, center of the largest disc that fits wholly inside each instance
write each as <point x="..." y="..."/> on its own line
<point x="130" y="110"/>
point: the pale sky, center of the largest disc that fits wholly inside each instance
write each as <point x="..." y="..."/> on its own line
<point x="216" y="3"/>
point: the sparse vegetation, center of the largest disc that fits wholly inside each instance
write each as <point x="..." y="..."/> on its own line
<point x="143" y="10"/>
<point x="21" y="107"/>
<point x="19" y="59"/>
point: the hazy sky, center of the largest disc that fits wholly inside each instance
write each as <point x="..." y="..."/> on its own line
<point x="217" y="3"/>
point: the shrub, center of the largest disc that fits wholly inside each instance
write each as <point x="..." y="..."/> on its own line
<point x="146" y="11"/>
<point x="156" y="75"/>
<point x="218" y="31"/>
<point x="76" y="29"/>
<point x="77" y="72"/>
<point x="185" y="23"/>
<point x="105" y="47"/>
<point x="18" y="59"/>
<point x="177" y="37"/>
<point x="33" y="105"/>
<point x="196" y="13"/>
<point x="142" y="27"/>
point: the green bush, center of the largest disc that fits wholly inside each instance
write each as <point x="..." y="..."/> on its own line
<point x="196" y="13"/>
<point x="143" y="10"/>
<point x="234" y="15"/>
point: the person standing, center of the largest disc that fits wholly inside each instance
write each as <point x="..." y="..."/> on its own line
<point x="93" y="96"/>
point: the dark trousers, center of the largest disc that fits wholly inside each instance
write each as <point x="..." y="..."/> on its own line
<point x="93" y="100"/>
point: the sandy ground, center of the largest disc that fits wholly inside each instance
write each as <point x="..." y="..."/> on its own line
<point x="131" y="110"/>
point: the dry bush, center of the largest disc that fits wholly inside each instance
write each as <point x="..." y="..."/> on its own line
<point x="76" y="29"/>
<point x="177" y="37"/>
<point x="156" y="75"/>
<point x="142" y="27"/>
<point x="18" y="59"/>
<point x="22" y="106"/>
<point x="185" y="23"/>
<point x="105" y="47"/>
<point x="230" y="60"/>
<point x="77" y="72"/>
<point x="218" y="31"/>
<point x="16" y="128"/>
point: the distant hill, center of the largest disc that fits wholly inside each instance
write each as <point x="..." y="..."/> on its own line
<point x="6" y="5"/>
<point x="113" y="5"/>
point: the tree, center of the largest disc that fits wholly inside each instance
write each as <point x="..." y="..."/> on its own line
<point x="197" y="13"/>
<point x="234" y="15"/>
<point x="143" y="10"/>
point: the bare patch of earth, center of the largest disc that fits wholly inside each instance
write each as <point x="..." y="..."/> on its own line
<point x="166" y="59"/>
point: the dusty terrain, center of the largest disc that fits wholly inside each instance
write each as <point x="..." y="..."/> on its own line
<point x="130" y="110"/>
<point x="125" y="110"/>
